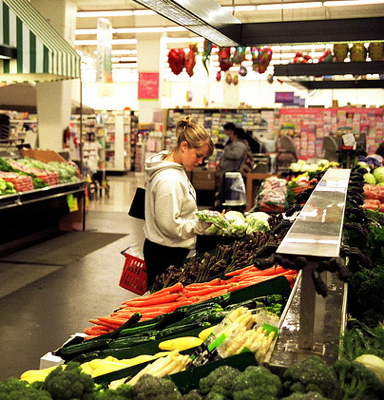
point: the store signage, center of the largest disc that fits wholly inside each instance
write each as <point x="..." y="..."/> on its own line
<point x="148" y="86"/>
<point x="285" y="97"/>
<point x="104" y="46"/>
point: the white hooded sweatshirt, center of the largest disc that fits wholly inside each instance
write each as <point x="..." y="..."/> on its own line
<point x="170" y="204"/>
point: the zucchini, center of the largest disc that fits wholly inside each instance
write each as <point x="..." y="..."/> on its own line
<point x="179" y="329"/>
<point x="211" y="316"/>
<point x="130" y="341"/>
<point x="70" y="351"/>
<point x="137" y="329"/>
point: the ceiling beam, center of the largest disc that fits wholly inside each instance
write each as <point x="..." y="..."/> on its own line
<point x="202" y="17"/>
<point x="306" y="32"/>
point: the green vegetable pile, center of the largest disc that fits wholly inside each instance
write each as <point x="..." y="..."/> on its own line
<point x="6" y="187"/>
<point x="66" y="172"/>
<point x="234" y="223"/>
<point x="309" y="379"/>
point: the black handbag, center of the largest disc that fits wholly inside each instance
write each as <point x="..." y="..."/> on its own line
<point x="137" y="209"/>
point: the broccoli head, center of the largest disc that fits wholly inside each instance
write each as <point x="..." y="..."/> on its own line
<point x="219" y="382"/>
<point x="123" y="392"/>
<point x="16" y="389"/>
<point x="257" y="382"/>
<point x="69" y="382"/>
<point x="305" y="396"/>
<point x="357" y="381"/>
<point x="151" y="387"/>
<point x="312" y="374"/>
<point x="193" y="395"/>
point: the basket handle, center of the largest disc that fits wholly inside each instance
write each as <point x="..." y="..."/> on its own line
<point x="124" y="251"/>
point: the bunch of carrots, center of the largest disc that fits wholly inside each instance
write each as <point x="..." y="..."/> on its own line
<point x="169" y="299"/>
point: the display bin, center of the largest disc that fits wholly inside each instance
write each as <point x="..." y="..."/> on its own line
<point x="189" y="379"/>
<point x="277" y="285"/>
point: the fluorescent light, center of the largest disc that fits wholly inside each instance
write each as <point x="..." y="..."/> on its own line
<point x="113" y="13"/>
<point x="123" y="52"/>
<point x="351" y="3"/>
<point x="287" y="6"/>
<point x="104" y="13"/>
<point x="139" y="30"/>
<point x="124" y="59"/>
<point x="184" y="40"/>
<point x="95" y="42"/>
<point x="144" y="12"/>
<point x="134" y="30"/>
<point x="175" y="29"/>
<point x="239" y="8"/>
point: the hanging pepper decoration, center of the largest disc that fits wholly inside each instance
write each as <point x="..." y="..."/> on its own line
<point x="301" y="58"/>
<point x="239" y="55"/>
<point x="261" y="58"/>
<point x="190" y="58"/>
<point x="225" y="60"/>
<point x="238" y="58"/>
<point x="176" y="60"/>
<point x="207" y="53"/>
<point x="326" y="57"/>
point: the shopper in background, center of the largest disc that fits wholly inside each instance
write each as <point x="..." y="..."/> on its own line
<point x="171" y="225"/>
<point x="233" y="155"/>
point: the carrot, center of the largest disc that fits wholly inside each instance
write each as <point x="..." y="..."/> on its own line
<point x="240" y="271"/>
<point x="212" y="295"/>
<point x="155" y="300"/>
<point x="208" y="290"/>
<point x="213" y="282"/>
<point x="112" y="322"/>
<point x="171" y="289"/>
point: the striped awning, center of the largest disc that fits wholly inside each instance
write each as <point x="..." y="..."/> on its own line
<point x="42" y="53"/>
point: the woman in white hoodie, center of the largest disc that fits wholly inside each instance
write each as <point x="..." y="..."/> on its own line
<point x="171" y="224"/>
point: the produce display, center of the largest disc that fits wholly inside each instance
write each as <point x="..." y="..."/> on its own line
<point x="272" y="197"/>
<point x="48" y="177"/>
<point x="178" y="299"/>
<point x="65" y="171"/>
<point x="28" y="174"/>
<point x="200" y="324"/>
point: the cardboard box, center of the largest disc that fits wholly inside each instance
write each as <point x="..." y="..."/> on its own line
<point x="45" y="156"/>
<point x="42" y="155"/>
<point x="204" y="179"/>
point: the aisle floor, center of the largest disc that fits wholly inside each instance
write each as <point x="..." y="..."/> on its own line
<point x="43" y="303"/>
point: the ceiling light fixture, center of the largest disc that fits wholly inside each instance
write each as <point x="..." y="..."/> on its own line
<point x="239" y="8"/>
<point x="113" y="13"/>
<point x="95" y="42"/>
<point x="287" y="6"/>
<point x="351" y="3"/>
<point x="202" y="18"/>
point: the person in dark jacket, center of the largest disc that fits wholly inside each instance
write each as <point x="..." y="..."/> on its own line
<point x="233" y="155"/>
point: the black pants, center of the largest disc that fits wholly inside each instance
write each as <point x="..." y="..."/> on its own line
<point x="158" y="258"/>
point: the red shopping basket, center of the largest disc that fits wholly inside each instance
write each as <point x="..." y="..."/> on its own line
<point x="134" y="275"/>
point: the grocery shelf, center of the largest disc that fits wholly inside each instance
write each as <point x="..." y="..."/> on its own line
<point x="331" y="68"/>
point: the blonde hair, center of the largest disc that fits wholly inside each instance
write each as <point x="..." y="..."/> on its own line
<point x="195" y="135"/>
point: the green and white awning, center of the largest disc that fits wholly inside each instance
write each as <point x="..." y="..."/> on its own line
<point x="42" y="53"/>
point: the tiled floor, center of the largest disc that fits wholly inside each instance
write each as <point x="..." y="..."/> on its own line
<point x="42" y="305"/>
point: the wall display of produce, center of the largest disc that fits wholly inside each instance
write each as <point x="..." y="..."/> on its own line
<point x="212" y="339"/>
